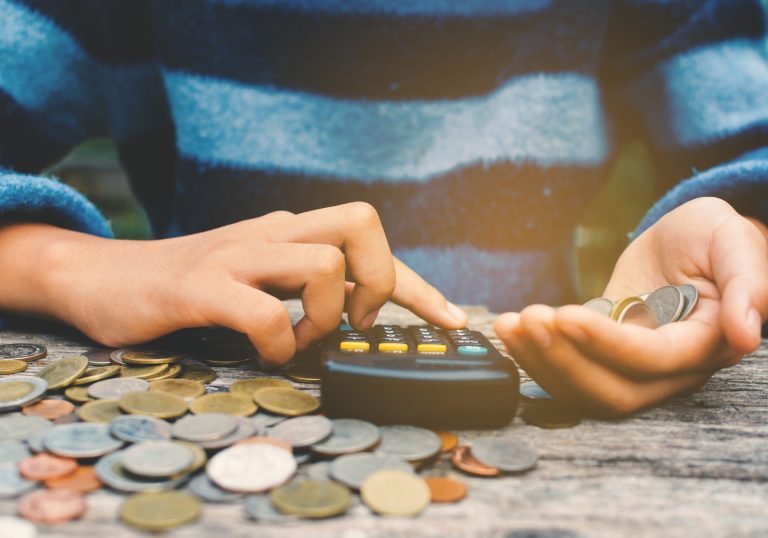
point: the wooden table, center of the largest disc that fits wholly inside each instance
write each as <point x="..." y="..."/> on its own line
<point x="696" y="466"/>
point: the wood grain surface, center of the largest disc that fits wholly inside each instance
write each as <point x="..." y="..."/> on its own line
<point x="696" y="466"/>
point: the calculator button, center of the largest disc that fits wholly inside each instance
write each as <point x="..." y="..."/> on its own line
<point x="392" y="347"/>
<point x="474" y="351"/>
<point x="432" y="348"/>
<point x="345" y="327"/>
<point x="348" y="345"/>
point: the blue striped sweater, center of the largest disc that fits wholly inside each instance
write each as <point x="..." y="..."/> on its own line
<point x="479" y="129"/>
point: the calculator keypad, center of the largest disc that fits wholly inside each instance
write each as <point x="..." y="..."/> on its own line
<point x="392" y="340"/>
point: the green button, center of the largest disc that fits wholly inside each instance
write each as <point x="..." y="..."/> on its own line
<point x="475" y="351"/>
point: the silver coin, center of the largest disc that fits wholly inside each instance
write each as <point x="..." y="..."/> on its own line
<point x="209" y="492"/>
<point x="667" y="304"/>
<point x="21" y="427"/>
<point x="506" y="455"/>
<point x="36" y="389"/>
<point x="349" y="435"/>
<point x="13" y="527"/>
<point x="301" y="456"/>
<point x="116" y="387"/>
<point x="264" y="419"/>
<point x="35" y="441"/>
<point x="138" y="428"/>
<point x="260" y="508"/>
<point x="303" y="431"/>
<point x="157" y="459"/>
<point x="245" y="428"/>
<point x="23" y="352"/>
<point x="204" y="427"/>
<point x="602" y="305"/>
<point x="638" y="313"/>
<point x="644" y="296"/>
<point x="81" y="440"/>
<point x="352" y="469"/>
<point x="530" y="390"/>
<point x="251" y="468"/>
<point x="690" y="299"/>
<point x="110" y="471"/>
<point x="12" y="484"/>
<point x="320" y="471"/>
<point x="98" y="356"/>
<point x="410" y="443"/>
<point x="13" y="451"/>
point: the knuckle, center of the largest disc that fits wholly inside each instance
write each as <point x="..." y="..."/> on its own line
<point x="363" y="213"/>
<point x="273" y="317"/>
<point x="330" y="260"/>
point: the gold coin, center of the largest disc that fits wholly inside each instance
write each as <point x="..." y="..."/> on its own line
<point x="311" y="498"/>
<point x="198" y="372"/>
<point x="142" y="372"/>
<point x="200" y="457"/>
<point x="155" y="404"/>
<point x="284" y="401"/>
<point x="249" y="386"/>
<point x="304" y="372"/>
<point x="223" y="402"/>
<point x="173" y="371"/>
<point x="392" y="492"/>
<point x="15" y="390"/>
<point x="92" y="375"/>
<point x="150" y="357"/>
<point x="99" y="411"/>
<point x="160" y="510"/>
<point x="183" y="388"/>
<point x="63" y="372"/>
<point x="12" y="366"/>
<point x="78" y="394"/>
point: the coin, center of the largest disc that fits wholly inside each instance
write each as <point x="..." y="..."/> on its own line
<point x="249" y="386"/>
<point x="245" y="429"/>
<point x="13" y="527"/>
<point x="198" y="372"/>
<point x="21" y="427"/>
<point x="50" y="409"/>
<point x="320" y="470"/>
<point x="601" y="305"/>
<point x="104" y="411"/>
<point x="157" y="459"/>
<point x="286" y="401"/>
<point x="82" y="479"/>
<point x="23" y="352"/>
<point x="349" y="435"/>
<point x="99" y="356"/>
<point x="81" y="440"/>
<point x="444" y="489"/>
<point x="154" y="404"/>
<point x="204" y="427"/>
<point x="63" y="372"/>
<point x="690" y="299"/>
<point x="160" y="511"/>
<point x="303" y="431"/>
<point x="142" y="372"/>
<point x="67" y="419"/>
<point x="137" y="428"/>
<point x="504" y="454"/>
<point x="306" y="371"/>
<point x="209" y="492"/>
<point x="266" y="420"/>
<point x="13" y="451"/>
<point x="17" y="391"/>
<point x="200" y="457"/>
<point x="634" y="311"/>
<point x="463" y="459"/>
<point x="353" y="469"/>
<point x="110" y="471"/>
<point x="173" y="371"/>
<point x="448" y="440"/>
<point x="43" y="466"/>
<point x="77" y="394"/>
<point x="391" y="492"/>
<point x="12" y="366"/>
<point x="50" y="506"/>
<point x="12" y="484"/>
<point x="145" y="356"/>
<point x="311" y="499"/>
<point x="114" y="388"/>
<point x="260" y="508"/>
<point x="251" y="468"/>
<point x="666" y="303"/>
<point x="410" y="443"/>
<point x="97" y="373"/>
<point x="267" y="440"/>
<point x="183" y="388"/>
<point x="223" y="402"/>
<point x="550" y="416"/>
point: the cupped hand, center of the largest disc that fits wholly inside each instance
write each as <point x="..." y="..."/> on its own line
<point x="612" y="369"/>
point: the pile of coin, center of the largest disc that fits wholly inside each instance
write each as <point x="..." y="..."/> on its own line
<point x="664" y="305"/>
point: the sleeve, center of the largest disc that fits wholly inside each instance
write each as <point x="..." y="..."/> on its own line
<point x="693" y="74"/>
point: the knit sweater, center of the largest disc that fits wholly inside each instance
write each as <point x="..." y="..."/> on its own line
<point x="479" y="129"/>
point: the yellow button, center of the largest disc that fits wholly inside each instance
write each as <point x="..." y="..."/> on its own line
<point x="432" y="348"/>
<point x="354" y="346"/>
<point x="392" y="347"/>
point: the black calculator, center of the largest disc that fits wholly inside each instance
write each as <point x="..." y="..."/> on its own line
<point x="418" y="375"/>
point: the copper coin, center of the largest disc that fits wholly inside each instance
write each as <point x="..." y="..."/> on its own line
<point x="43" y="466"/>
<point x="52" y="506"/>
<point x="445" y="490"/>
<point x="449" y="440"/>
<point x="83" y="479"/>
<point x="50" y="409"/>
<point x="260" y="439"/>
<point x="466" y="462"/>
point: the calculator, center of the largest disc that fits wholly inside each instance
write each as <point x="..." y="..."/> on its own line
<point x="417" y="375"/>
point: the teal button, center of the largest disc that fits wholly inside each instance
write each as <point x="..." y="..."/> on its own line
<point x="475" y="351"/>
<point x="345" y="327"/>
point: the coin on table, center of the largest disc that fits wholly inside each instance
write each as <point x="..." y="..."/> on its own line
<point x="410" y="443"/>
<point x="463" y="459"/>
<point x="353" y="469"/>
<point x="78" y="394"/>
<point x="448" y="440"/>
<point x="50" y="506"/>
<point x="223" y="402"/>
<point x="251" y="385"/>
<point x="198" y="372"/>
<point x="263" y="439"/>
<point x="504" y="454"/>
<point x="200" y="457"/>
<point x="265" y="420"/>
<point x="50" y="409"/>
<point x="99" y="356"/>
<point x="13" y="527"/>
<point x="160" y="511"/>
<point x="137" y="428"/>
<point x="209" y="492"/>
<point x="154" y="404"/>
<point x="157" y="459"/>
<point x="104" y="411"/>
<point x="173" y="371"/>
<point x="12" y="484"/>
<point x="260" y="508"/>
<point x="43" y="466"/>
<point x="63" y="372"/>
<point x="349" y="435"/>
<point x="690" y="299"/>
<point x="391" y="492"/>
<point x="306" y="371"/>
<point x="81" y="440"/>
<point x="245" y="429"/>
<point x="302" y="432"/>
<point x="285" y="401"/>
<point x="22" y="427"/>
<point x="142" y="372"/>
<point x="251" y="468"/>
<point x="204" y="427"/>
<point x="550" y="416"/>
<point x="13" y="451"/>
<point x="97" y="373"/>
<point x="110" y="471"/>
<point x="320" y="470"/>
<point x="634" y="311"/>
<point x="12" y="366"/>
<point x="445" y="489"/>
<point x="82" y="479"/>
<point x="114" y="388"/>
<point x="667" y="304"/>
<point x="601" y="305"/>
<point x="146" y="356"/>
<point x="311" y="499"/>
<point x="23" y="352"/>
<point x="183" y="388"/>
<point x="18" y="391"/>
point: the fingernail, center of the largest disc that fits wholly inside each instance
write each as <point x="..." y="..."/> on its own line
<point x="370" y="319"/>
<point x="754" y="321"/>
<point x="456" y="313"/>
<point x="540" y="335"/>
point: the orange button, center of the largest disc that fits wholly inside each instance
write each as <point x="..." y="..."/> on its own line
<point x="432" y="348"/>
<point x="354" y="346"/>
<point x="392" y="347"/>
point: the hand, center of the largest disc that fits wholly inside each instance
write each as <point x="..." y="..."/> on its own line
<point x="610" y="369"/>
<point x="126" y="292"/>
